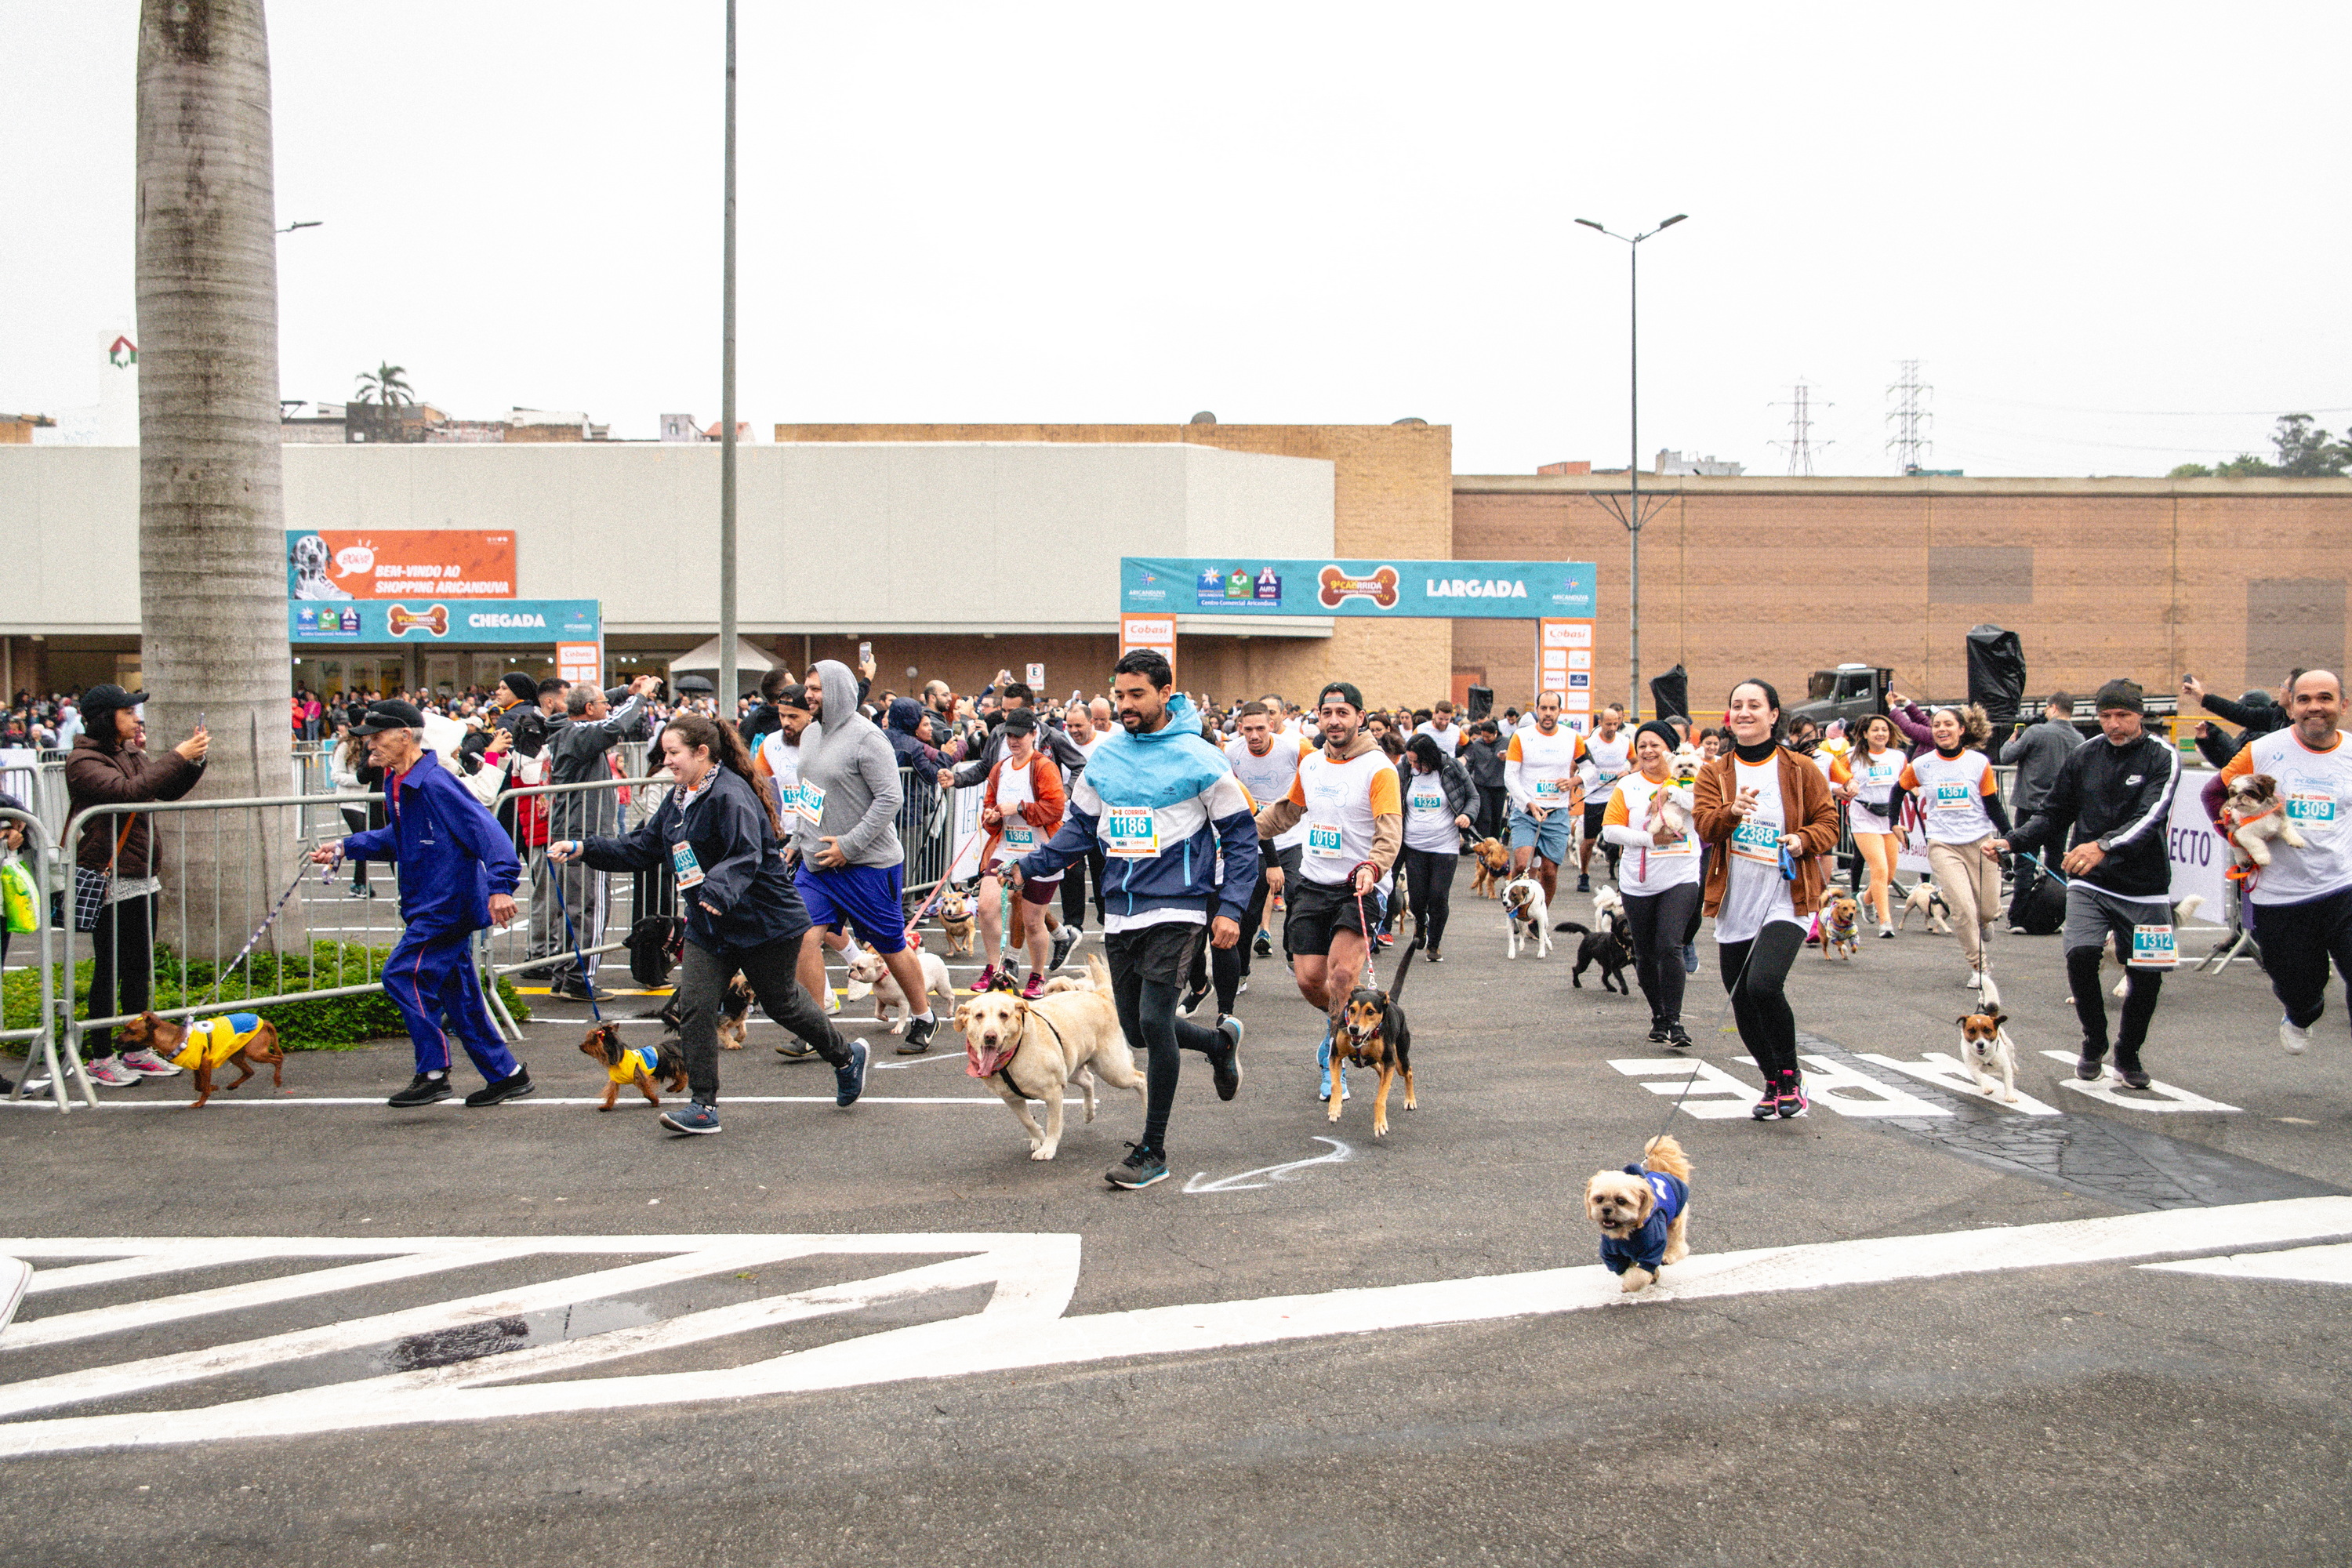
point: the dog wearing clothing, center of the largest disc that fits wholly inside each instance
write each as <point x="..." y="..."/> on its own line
<point x="243" y="1041"/>
<point x="640" y="1065"/>
<point x="1644" y="1212"/>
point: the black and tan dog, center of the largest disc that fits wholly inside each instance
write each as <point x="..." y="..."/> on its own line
<point x="243" y="1039"/>
<point x="734" y="1016"/>
<point x="641" y="1065"/>
<point x="1612" y="948"/>
<point x="1370" y="1030"/>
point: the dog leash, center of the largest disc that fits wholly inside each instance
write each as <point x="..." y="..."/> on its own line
<point x="587" y="976"/>
<point x="1372" y="946"/>
<point x="220" y="976"/>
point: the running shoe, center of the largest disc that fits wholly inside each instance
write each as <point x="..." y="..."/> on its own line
<point x="1323" y="1090"/>
<point x="1767" y="1106"/>
<point x="517" y="1086"/>
<point x="796" y="1050"/>
<point x="1240" y="986"/>
<point x="987" y="978"/>
<point x="1263" y="946"/>
<point x="108" y="1072"/>
<point x="1036" y="986"/>
<point x="2292" y="1039"/>
<point x="2127" y="1068"/>
<point x="831" y="1002"/>
<point x="147" y="1064"/>
<point x="1386" y="941"/>
<point x="849" y="1077"/>
<point x="421" y="1090"/>
<point x="1064" y="938"/>
<point x="1225" y="1066"/>
<point x="1583" y="883"/>
<point x="1432" y="957"/>
<point x="362" y="890"/>
<point x="1191" y="1001"/>
<point x="919" y="1036"/>
<point x="1690" y="958"/>
<point x="1679" y="1037"/>
<point x="1658" y="1033"/>
<point x="1141" y="1167"/>
<point x="692" y="1117"/>
<point x="1887" y="933"/>
<point x="2090" y="1064"/>
<point x="1792" y="1102"/>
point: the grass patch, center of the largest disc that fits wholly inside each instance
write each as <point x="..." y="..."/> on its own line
<point x="327" y="1024"/>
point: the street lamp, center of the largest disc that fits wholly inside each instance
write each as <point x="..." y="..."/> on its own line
<point x="1632" y="517"/>
<point x="305" y="223"/>
<point x="727" y="685"/>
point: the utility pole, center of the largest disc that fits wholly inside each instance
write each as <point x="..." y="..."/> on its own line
<point x="1909" y="444"/>
<point x="726" y="408"/>
<point x="1631" y="515"/>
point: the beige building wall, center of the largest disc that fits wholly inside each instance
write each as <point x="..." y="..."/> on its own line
<point x="1392" y="496"/>
<point x="2234" y="580"/>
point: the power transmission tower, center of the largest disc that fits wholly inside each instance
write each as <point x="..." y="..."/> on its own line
<point x="1910" y="443"/>
<point x="1801" y="446"/>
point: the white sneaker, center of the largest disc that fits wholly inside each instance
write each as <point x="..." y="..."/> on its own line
<point x="2293" y="1039"/>
<point x="147" y="1064"/>
<point x="1975" y="980"/>
<point x="110" y="1073"/>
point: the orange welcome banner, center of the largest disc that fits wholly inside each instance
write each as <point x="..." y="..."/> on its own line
<point x="363" y="563"/>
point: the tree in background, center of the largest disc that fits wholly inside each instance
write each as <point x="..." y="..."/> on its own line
<point x="385" y="386"/>
<point x="212" y="541"/>
<point x="2304" y="452"/>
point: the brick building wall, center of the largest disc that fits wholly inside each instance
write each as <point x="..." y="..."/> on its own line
<point x="2236" y="580"/>
<point x="1392" y="496"/>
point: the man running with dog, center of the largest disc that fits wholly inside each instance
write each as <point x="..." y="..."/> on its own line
<point x="2300" y="905"/>
<point x="1539" y="774"/>
<point x="2114" y="798"/>
<point x="1347" y="795"/>
<point x="1163" y="806"/>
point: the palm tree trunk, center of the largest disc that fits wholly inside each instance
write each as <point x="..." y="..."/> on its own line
<point x="211" y="515"/>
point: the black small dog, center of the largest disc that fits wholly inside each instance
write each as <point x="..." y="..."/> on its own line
<point x="734" y="1014"/>
<point x="1612" y="950"/>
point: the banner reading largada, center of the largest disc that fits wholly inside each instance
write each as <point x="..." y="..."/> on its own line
<point x="397" y="564"/>
<point x="1397" y="589"/>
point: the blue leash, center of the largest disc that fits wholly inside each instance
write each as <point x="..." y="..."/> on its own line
<point x="2030" y="855"/>
<point x="587" y="977"/>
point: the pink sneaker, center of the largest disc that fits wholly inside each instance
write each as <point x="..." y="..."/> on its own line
<point x="1035" y="988"/>
<point x="108" y="1072"/>
<point x="987" y="978"/>
<point x="147" y="1064"/>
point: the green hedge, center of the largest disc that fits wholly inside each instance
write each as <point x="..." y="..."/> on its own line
<point x="328" y="1024"/>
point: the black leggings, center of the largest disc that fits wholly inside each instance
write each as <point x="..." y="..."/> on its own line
<point x="1658" y="921"/>
<point x="1147" y="1011"/>
<point x="1759" y="1003"/>
<point x="1220" y="966"/>
<point x="122" y="965"/>
<point x="1428" y="883"/>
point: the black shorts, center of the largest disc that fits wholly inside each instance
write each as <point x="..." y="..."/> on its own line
<point x="1594" y="812"/>
<point x="1315" y="910"/>
<point x="1158" y="954"/>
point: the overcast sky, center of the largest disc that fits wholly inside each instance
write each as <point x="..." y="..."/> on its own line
<point x="2112" y="234"/>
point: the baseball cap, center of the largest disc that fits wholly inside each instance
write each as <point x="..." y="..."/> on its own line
<point x="106" y="697"/>
<point x="390" y="714"/>
<point x="1347" y="694"/>
<point x="1020" y="722"/>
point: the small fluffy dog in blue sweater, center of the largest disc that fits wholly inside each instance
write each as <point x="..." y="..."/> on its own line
<point x="1644" y="1212"/>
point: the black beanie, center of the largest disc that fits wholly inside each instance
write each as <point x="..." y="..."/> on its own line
<point x="1663" y="731"/>
<point x="2121" y="694"/>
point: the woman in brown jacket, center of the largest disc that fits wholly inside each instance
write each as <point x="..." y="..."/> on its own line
<point x="110" y="766"/>
<point x="1769" y="815"/>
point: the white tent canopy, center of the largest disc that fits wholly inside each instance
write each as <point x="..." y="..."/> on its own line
<point x="749" y="658"/>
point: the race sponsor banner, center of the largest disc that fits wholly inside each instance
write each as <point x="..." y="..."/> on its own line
<point x="1157" y="633"/>
<point x="579" y="662"/>
<point x="336" y="565"/>
<point x="1564" y="665"/>
<point x="1397" y="589"/>
<point x="424" y="618"/>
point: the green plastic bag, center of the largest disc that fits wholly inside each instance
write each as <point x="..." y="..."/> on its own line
<point x="17" y="894"/>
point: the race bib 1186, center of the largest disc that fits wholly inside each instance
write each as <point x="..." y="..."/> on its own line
<point x="1130" y="831"/>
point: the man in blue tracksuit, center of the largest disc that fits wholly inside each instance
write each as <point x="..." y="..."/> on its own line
<point x="1163" y="806"/>
<point x="458" y="876"/>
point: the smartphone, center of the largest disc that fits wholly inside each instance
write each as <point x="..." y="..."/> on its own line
<point x="200" y="721"/>
<point x="865" y="653"/>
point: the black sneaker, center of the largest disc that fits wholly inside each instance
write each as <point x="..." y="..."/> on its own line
<point x="1064" y="937"/>
<point x="1679" y="1037"/>
<point x="1657" y="1033"/>
<point x="1225" y="1066"/>
<point x="572" y="988"/>
<point x="2127" y="1068"/>
<point x="1193" y="999"/>
<point x="506" y="1088"/>
<point x="1141" y="1167"/>
<point x="2090" y="1064"/>
<point x="421" y="1090"/>
<point x="1583" y="883"/>
<point x="919" y="1036"/>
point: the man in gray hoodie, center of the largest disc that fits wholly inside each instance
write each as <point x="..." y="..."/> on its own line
<point x="853" y="868"/>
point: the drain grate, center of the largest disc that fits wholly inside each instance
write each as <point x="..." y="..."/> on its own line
<point x="2134" y="1168"/>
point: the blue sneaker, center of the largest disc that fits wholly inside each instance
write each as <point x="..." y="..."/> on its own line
<point x="695" y="1117"/>
<point x="1690" y="958"/>
<point x="1323" y="1060"/>
<point x="849" y="1077"/>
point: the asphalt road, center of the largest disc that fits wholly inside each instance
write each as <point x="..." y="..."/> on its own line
<point x="1164" y="1375"/>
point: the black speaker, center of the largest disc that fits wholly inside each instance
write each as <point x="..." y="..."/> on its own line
<point x="1996" y="673"/>
<point x="1671" y="693"/>
<point x="1482" y="702"/>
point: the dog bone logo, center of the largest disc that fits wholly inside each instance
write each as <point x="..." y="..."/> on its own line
<point x="1337" y="587"/>
<point x="404" y="619"/>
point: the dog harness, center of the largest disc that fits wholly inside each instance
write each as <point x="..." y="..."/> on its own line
<point x="634" y="1059"/>
<point x="980" y="1062"/>
<point x="216" y="1040"/>
<point x="1647" y="1245"/>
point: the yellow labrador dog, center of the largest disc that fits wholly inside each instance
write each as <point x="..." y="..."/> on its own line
<point x="1032" y="1050"/>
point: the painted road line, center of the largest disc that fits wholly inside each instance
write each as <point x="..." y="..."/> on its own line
<point x="1717" y="1096"/>
<point x="1947" y="1071"/>
<point x="2157" y="1095"/>
<point x="288" y="1102"/>
<point x="1338" y="1154"/>
<point x="2319" y="1265"/>
<point x="1022" y="1325"/>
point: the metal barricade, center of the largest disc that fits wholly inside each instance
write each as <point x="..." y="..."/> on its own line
<point x="41" y="1037"/>
<point x="40" y="783"/>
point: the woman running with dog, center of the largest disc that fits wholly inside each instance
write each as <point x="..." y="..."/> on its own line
<point x="1021" y="809"/>
<point x="1876" y="764"/>
<point x="1658" y="873"/>
<point x="722" y="835"/>
<point x="1438" y="800"/>
<point x="1959" y="800"/>
<point x="1770" y="811"/>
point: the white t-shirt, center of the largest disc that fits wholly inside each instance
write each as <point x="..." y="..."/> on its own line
<point x="1951" y="793"/>
<point x="1015" y="835"/>
<point x="1449" y="741"/>
<point x="1267" y="778"/>
<point x="1342" y="801"/>
<point x="1540" y="769"/>
<point x="1873" y="777"/>
<point x="1646" y="867"/>
<point x="2315" y="792"/>
<point x="783" y="766"/>
<point x="1428" y="823"/>
<point x="1611" y="760"/>
<point x="1755" y="894"/>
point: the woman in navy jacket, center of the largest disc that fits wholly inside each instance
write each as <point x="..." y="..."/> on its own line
<point x="719" y="835"/>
